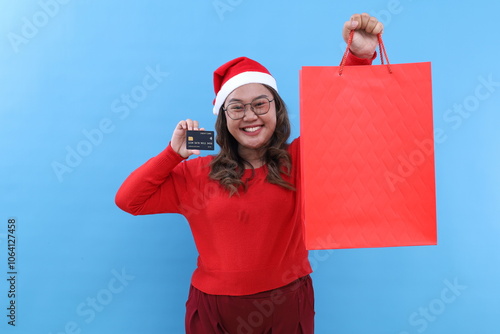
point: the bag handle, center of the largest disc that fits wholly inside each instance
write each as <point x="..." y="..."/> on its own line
<point x="383" y="53"/>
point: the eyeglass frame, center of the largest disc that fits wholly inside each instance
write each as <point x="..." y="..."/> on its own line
<point x="251" y="108"/>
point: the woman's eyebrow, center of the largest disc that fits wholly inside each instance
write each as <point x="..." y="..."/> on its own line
<point x="239" y="100"/>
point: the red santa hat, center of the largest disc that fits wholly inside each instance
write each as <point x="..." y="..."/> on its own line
<point x="236" y="73"/>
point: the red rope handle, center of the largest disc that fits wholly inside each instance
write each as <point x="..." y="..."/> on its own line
<point x="383" y="53"/>
<point x="346" y="52"/>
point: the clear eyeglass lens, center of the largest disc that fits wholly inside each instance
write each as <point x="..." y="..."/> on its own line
<point x="259" y="107"/>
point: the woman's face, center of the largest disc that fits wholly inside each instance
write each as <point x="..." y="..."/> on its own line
<point x="252" y="131"/>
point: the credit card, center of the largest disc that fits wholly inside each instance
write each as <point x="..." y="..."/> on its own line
<point x="200" y="140"/>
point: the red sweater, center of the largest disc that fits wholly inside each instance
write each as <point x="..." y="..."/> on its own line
<point x="247" y="243"/>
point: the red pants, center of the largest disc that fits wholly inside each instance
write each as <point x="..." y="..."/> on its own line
<point x="286" y="310"/>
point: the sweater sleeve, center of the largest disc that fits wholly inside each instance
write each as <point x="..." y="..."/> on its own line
<point x="154" y="187"/>
<point x="353" y="60"/>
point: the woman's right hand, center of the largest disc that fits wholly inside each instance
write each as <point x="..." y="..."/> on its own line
<point x="178" y="141"/>
<point x="365" y="39"/>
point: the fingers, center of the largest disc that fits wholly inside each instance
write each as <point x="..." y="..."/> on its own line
<point x="178" y="141"/>
<point x="365" y="22"/>
<point x="351" y="25"/>
<point x="348" y="26"/>
<point x="188" y="124"/>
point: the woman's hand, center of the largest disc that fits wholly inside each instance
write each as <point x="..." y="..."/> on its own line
<point x="178" y="141"/>
<point x="365" y="38"/>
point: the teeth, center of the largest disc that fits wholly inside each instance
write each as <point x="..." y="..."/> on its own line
<point x="251" y="129"/>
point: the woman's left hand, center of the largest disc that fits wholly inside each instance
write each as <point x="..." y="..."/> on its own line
<point x="365" y="38"/>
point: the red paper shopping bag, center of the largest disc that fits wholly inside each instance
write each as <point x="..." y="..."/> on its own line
<point x="367" y="155"/>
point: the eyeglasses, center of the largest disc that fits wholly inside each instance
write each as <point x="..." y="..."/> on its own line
<point x="259" y="106"/>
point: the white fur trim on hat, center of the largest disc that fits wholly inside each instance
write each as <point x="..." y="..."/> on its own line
<point x="240" y="80"/>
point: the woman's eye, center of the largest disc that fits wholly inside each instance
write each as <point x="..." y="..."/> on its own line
<point x="236" y="108"/>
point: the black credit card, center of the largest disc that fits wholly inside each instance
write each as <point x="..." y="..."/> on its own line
<point x="199" y="140"/>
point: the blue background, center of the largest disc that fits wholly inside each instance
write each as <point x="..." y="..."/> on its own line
<point x="66" y="69"/>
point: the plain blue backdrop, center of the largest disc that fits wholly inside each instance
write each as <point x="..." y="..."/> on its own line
<point x="92" y="89"/>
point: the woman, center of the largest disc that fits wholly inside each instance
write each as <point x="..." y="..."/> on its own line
<point x="242" y="205"/>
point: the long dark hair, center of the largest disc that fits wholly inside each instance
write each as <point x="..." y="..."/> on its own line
<point x="228" y="167"/>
